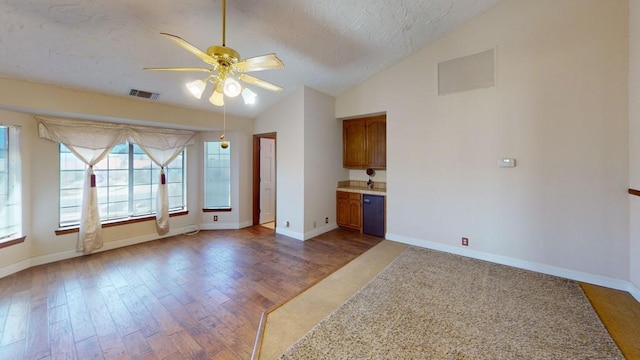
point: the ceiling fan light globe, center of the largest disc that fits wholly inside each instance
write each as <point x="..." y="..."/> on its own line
<point x="217" y="98"/>
<point x="196" y="88"/>
<point x="232" y="87"/>
<point x="249" y="96"/>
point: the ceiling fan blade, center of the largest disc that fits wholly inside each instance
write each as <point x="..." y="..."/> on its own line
<point x="190" y="48"/>
<point x="192" y="69"/>
<point x="258" y="63"/>
<point x="258" y="82"/>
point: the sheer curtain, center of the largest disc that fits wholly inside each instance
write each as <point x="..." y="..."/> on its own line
<point x="91" y="141"/>
<point x="162" y="146"/>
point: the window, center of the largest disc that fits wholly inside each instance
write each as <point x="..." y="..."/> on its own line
<point x="126" y="180"/>
<point x="10" y="179"/>
<point x="217" y="176"/>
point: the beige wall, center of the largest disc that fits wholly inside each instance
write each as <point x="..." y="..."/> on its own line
<point x="559" y="108"/>
<point x="33" y="98"/>
<point x="634" y="139"/>
<point x="323" y="162"/>
<point x="40" y="166"/>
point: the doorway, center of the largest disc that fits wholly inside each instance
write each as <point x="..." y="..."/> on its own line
<point x="264" y="180"/>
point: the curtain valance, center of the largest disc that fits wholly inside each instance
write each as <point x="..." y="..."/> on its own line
<point x="95" y="135"/>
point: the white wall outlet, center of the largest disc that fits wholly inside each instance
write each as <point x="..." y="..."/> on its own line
<point x="507" y="162"/>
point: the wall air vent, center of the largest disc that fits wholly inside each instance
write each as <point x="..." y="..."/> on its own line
<point x="143" y="94"/>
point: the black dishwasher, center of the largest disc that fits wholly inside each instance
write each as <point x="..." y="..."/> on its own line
<point x="373" y="215"/>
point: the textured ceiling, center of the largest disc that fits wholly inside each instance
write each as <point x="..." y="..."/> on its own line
<point x="328" y="45"/>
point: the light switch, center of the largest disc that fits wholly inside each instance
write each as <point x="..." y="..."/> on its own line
<point x="508" y="162"/>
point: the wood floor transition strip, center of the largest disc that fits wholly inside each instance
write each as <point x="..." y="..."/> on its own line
<point x="620" y="314"/>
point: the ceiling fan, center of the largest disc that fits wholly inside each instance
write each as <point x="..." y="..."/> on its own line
<point x="225" y="69"/>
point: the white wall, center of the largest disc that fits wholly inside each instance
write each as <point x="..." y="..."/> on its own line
<point x="361" y="175"/>
<point x="308" y="161"/>
<point x="559" y="108"/>
<point x="40" y="166"/>
<point x="634" y="139"/>
<point x="286" y="118"/>
<point x="323" y="162"/>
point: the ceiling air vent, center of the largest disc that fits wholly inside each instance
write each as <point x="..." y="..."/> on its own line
<point x="143" y="94"/>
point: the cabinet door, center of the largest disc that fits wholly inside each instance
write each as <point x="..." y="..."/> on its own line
<point x="354" y="139"/>
<point x="349" y="209"/>
<point x="376" y="143"/>
<point x="355" y="213"/>
<point x="342" y="216"/>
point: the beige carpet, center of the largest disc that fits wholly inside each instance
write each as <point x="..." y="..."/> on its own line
<point x="287" y="323"/>
<point x="432" y="305"/>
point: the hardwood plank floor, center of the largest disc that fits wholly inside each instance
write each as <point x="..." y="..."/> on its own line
<point x="184" y="297"/>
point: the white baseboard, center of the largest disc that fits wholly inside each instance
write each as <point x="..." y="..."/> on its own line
<point x="15" y="267"/>
<point x="292" y="234"/>
<point x="245" y="224"/>
<point x="308" y="235"/>
<point x="522" y="264"/>
<point x="68" y="254"/>
<point x="321" y="230"/>
<point x="634" y="291"/>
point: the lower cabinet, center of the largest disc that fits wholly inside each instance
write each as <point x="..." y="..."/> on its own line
<point x="349" y="212"/>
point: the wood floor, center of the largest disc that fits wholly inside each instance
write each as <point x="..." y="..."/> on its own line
<point x="184" y="297"/>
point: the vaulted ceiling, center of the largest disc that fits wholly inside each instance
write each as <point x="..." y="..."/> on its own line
<point x="329" y="45"/>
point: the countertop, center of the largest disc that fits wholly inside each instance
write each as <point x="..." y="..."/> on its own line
<point x="363" y="190"/>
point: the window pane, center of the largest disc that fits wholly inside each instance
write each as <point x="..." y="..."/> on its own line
<point x="5" y="223"/>
<point x="126" y="182"/>
<point x="217" y="181"/>
<point x="118" y="209"/>
<point x="143" y="199"/>
<point x="70" y="197"/>
<point x="72" y="179"/>
<point x="10" y="183"/>
<point x="69" y="215"/>
<point x="141" y="176"/>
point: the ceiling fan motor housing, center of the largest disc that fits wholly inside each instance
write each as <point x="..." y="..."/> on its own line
<point x="225" y="56"/>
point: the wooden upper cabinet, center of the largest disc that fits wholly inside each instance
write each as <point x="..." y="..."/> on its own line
<point x="354" y="137"/>
<point x="365" y="143"/>
<point x="376" y="148"/>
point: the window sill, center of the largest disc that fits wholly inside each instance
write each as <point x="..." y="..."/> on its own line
<point x="217" y="210"/>
<point x="75" y="229"/>
<point x="11" y="241"/>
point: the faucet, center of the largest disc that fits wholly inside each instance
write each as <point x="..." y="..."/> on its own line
<point x="370" y="184"/>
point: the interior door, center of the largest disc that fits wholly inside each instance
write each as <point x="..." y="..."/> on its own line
<point x="267" y="180"/>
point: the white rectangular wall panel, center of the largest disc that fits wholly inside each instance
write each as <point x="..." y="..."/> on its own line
<point x="466" y="73"/>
